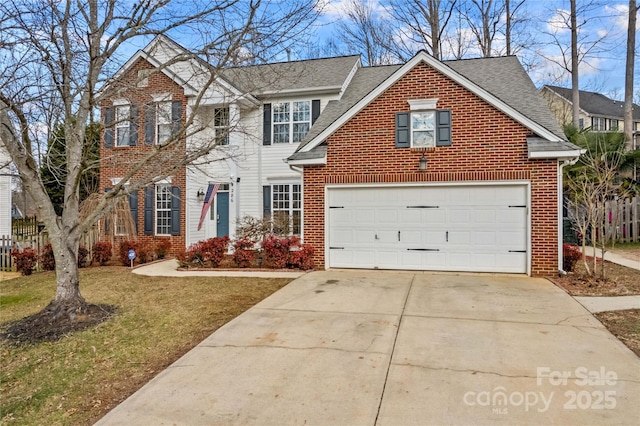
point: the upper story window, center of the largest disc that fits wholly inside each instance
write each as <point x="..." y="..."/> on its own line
<point x="581" y="123"/>
<point x="613" y="124"/>
<point x="599" y="123"/>
<point x="288" y="122"/>
<point x="291" y="121"/>
<point x="221" y="125"/>
<point x="423" y="127"/>
<point x="163" y="122"/>
<point x="122" y="124"/>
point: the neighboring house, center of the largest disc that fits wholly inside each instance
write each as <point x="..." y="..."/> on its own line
<point x="597" y="111"/>
<point x="354" y="138"/>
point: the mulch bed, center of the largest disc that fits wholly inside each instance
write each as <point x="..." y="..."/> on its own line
<point x="42" y="327"/>
<point x="625" y="325"/>
<point x="619" y="280"/>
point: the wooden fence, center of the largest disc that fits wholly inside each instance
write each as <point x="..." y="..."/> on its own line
<point x="623" y="219"/>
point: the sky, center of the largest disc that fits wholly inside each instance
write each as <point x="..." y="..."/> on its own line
<point x="602" y="69"/>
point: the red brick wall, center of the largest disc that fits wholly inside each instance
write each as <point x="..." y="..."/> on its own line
<point x="487" y="146"/>
<point x="117" y="161"/>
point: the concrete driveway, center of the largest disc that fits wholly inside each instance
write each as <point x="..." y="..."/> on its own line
<point x="400" y="348"/>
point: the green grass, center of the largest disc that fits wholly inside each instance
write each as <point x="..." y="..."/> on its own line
<point x="79" y="378"/>
<point x="635" y="245"/>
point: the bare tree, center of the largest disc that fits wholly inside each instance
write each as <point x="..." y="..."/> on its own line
<point x="57" y="55"/>
<point x="422" y="23"/>
<point x="628" y="80"/>
<point x="575" y="87"/>
<point x="484" y="19"/>
<point x="362" y="31"/>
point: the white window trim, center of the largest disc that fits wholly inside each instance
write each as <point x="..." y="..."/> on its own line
<point x="162" y="97"/>
<point x="159" y="122"/>
<point x="121" y="123"/>
<point x="291" y="122"/>
<point x="290" y="210"/>
<point x="224" y="128"/>
<point x="155" y="209"/>
<point x="422" y="104"/>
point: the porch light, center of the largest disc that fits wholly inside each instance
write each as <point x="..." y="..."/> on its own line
<point x="200" y="195"/>
<point x="422" y="163"/>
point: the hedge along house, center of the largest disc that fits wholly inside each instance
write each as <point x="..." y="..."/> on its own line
<point x="449" y="166"/>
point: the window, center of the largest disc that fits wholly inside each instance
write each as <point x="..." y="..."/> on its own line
<point x="163" y="122"/>
<point x="613" y="124"/>
<point x="287" y="209"/>
<point x="122" y="125"/>
<point x="221" y="125"/>
<point x="598" y="123"/>
<point x="291" y="121"/>
<point x="581" y="123"/>
<point x="163" y="210"/>
<point x="423" y="124"/>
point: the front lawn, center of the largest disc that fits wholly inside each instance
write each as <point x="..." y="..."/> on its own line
<point x="77" y="379"/>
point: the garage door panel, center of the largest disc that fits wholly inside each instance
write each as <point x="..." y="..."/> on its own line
<point x="482" y="223"/>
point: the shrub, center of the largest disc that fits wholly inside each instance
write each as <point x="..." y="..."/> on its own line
<point x="570" y="256"/>
<point x="123" y="253"/>
<point x="162" y="247"/>
<point x="101" y="252"/>
<point x="144" y="253"/>
<point x="276" y="251"/>
<point x="302" y="257"/>
<point x="244" y="252"/>
<point x="207" y="253"/>
<point x="83" y="254"/>
<point x="47" y="260"/>
<point x="25" y="260"/>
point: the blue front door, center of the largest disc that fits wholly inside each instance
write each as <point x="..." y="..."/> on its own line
<point x="222" y="214"/>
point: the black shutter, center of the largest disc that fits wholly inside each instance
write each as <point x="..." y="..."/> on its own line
<point x="149" y="124"/>
<point x="148" y="211"/>
<point x="403" y="139"/>
<point x="106" y="219"/>
<point x="133" y="206"/>
<point x="176" y="117"/>
<point x="266" y="125"/>
<point x="315" y="110"/>
<point x="108" y="127"/>
<point x="175" y="210"/>
<point x="133" y="126"/>
<point x="443" y="127"/>
<point x="266" y="201"/>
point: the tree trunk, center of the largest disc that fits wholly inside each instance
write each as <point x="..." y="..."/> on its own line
<point x="575" y="88"/>
<point x="507" y="31"/>
<point x="68" y="301"/>
<point x="628" y="81"/>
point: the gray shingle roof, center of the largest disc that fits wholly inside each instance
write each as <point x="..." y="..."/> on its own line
<point x="291" y="76"/>
<point x="503" y="77"/>
<point x="597" y="104"/>
<point x="536" y="145"/>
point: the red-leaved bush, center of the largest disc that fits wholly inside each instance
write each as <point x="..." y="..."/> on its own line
<point x="47" y="261"/>
<point x="302" y="257"/>
<point x="208" y="253"/>
<point x="244" y="252"/>
<point x="570" y="255"/>
<point x="162" y="247"/>
<point x="83" y="255"/>
<point x="101" y="252"/>
<point x="25" y="260"/>
<point x="276" y="251"/>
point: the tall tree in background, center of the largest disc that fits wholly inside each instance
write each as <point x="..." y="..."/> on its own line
<point x="423" y="23"/>
<point x="575" y="74"/>
<point x="361" y="31"/>
<point x="628" y="80"/>
<point x="59" y="54"/>
<point x="484" y="19"/>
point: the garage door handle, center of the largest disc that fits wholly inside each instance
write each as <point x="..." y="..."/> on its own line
<point x="517" y="251"/>
<point x="398" y="235"/>
<point x="423" y="249"/>
<point x="447" y="236"/>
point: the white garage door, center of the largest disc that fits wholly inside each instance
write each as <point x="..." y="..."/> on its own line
<point x="441" y="228"/>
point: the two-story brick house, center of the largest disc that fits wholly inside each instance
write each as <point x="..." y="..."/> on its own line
<point x="428" y="165"/>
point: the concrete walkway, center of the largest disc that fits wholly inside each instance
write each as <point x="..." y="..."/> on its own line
<point x="399" y="348"/>
<point x="630" y="261"/>
<point x="169" y="268"/>
<point x="611" y="303"/>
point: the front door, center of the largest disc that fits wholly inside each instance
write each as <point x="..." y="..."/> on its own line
<point x="222" y="213"/>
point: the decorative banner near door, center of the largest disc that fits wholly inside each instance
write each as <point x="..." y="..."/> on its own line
<point x="208" y="199"/>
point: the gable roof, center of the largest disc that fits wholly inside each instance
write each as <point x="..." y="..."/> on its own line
<point x="500" y="81"/>
<point x="595" y="103"/>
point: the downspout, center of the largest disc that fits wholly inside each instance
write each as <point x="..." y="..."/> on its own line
<point x="561" y="164"/>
